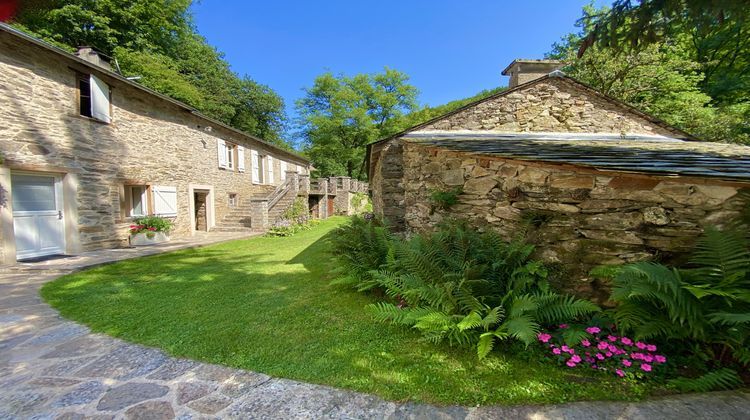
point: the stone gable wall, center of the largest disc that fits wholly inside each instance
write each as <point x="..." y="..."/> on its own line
<point x="552" y="105"/>
<point x="150" y="141"/>
<point x="578" y="217"/>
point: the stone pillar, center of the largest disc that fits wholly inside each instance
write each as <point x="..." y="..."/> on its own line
<point x="7" y="236"/>
<point x="259" y="214"/>
<point x="332" y="185"/>
<point x="293" y="178"/>
<point x="304" y="184"/>
<point x="323" y="206"/>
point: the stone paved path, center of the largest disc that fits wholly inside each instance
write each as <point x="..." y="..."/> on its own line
<point x="51" y="368"/>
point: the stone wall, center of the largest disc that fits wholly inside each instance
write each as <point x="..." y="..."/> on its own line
<point x="150" y="141"/>
<point x="551" y="105"/>
<point x="386" y="181"/>
<point x="578" y="217"/>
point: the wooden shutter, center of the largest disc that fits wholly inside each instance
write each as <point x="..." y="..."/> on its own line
<point x="270" y="169"/>
<point x="282" y="173"/>
<point x="240" y="158"/>
<point x="221" y="149"/>
<point x="165" y="201"/>
<point x="254" y="166"/>
<point x="99" y="99"/>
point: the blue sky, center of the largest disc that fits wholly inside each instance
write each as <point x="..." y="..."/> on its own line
<point x="450" y="49"/>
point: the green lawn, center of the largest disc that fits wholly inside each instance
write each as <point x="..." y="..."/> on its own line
<point x="265" y="304"/>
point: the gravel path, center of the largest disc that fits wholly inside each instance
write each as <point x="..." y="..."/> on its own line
<point x="54" y="368"/>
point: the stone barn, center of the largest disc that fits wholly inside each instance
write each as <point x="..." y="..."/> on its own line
<point x="588" y="179"/>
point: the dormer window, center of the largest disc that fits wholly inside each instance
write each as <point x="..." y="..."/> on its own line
<point x="94" y="98"/>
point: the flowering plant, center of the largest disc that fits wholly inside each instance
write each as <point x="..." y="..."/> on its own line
<point x="150" y="225"/>
<point x="603" y="350"/>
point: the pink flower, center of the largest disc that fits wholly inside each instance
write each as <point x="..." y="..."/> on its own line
<point x="611" y="348"/>
<point x="611" y="338"/>
<point x="620" y="373"/>
<point x="636" y="356"/>
<point x="660" y="359"/>
<point x="651" y="347"/>
<point x="571" y="363"/>
<point x="626" y="341"/>
<point x="599" y="356"/>
<point x="626" y="363"/>
<point x="563" y="326"/>
<point x="602" y="345"/>
<point x="593" y="330"/>
<point x="608" y="354"/>
<point x="645" y="367"/>
<point x="641" y="345"/>
<point x="648" y="358"/>
<point x="556" y="351"/>
<point x="576" y="358"/>
<point x="544" y="337"/>
<point x="585" y="343"/>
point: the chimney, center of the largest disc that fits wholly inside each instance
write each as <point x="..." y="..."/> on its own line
<point x="523" y="71"/>
<point x="93" y="56"/>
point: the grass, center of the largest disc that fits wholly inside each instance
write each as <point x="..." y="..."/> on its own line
<point x="266" y="304"/>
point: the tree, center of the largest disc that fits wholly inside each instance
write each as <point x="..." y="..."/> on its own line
<point x="663" y="78"/>
<point x="718" y="30"/>
<point x="340" y="115"/>
<point x="156" y="40"/>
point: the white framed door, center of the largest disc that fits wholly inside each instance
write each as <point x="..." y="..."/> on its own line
<point x="38" y="224"/>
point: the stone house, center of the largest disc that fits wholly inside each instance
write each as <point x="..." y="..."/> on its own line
<point x="84" y="150"/>
<point x="589" y="179"/>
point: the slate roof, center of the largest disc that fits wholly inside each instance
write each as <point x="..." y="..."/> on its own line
<point x="651" y="154"/>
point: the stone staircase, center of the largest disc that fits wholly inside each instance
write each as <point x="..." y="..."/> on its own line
<point x="239" y="218"/>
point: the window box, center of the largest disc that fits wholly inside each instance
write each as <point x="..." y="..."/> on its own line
<point x="150" y="238"/>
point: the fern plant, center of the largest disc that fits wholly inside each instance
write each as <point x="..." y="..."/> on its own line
<point x="706" y="305"/>
<point x="470" y="288"/>
<point x="360" y="247"/>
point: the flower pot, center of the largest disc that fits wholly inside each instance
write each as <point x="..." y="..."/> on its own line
<point x="151" y="238"/>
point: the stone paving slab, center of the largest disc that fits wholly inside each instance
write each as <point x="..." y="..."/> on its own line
<point x="52" y="368"/>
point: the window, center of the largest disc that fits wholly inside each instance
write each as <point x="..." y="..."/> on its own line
<point x="232" y="200"/>
<point x="230" y="155"/>
<point x="84" y="96"/>
<point x="256" y="161"/>
<point x="282" y="170"/>
<point x="137" y="200"/>
<point x="269" y="179"/>
<point x="94" y="98"/>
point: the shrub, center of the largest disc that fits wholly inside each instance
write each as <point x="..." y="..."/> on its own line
<point x="360" y="247"/>
<point x="705" y="307"/>
<point x="294" y="219"/>
<point x="150" y="225"/>
<point x="361" y="202"/>
<point x="470" y="288"/>
<point x="443" y="200"/>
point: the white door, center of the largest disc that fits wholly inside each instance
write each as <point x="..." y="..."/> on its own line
<point x="37" y="215"/>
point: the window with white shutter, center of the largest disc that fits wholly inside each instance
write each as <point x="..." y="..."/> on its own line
<point x="221" y="150"/>
<point x="270" y="170"/>
<point x="240" y="158"/>
<point x="282" y="173"/>
<point x="100" y="100"/>
<point x="256" y="167"/>
<point x="165" y="201"/>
